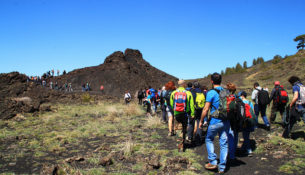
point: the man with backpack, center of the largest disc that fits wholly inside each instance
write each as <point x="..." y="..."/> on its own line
<point x="297" y="105"/>
<point x="182" y="103"/>
<point x="199" y="101"/>
<point x="218" y="124"/>
<point x="140" y="96"/>
<point x="163" y="104"/>
<point x="260" y="98"/>
<point x="279" y="98"/>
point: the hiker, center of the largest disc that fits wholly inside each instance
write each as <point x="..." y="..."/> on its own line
<point x="64" y="72"/>
<point x="153" y="99"/>
<point x="191" y="120"/>
<point x="44" y="83"/>
<point x="248" y="127"/>
<point x="195" y="132"/>
<point x="218" y="125"/>
<point x="52" y="72"/>
<point x="182" y="103"/>
<point x="83" y="87"/>
<point x="260" y="98"/>
<point x="279" y="97"/>
<point x="163" y="104"/>
<point x="170" y="87"/>
<point x="51" y="85"/>
<point x="233" y="130"/>
<point x="148" y="103"/>
<point x="297" y="105"/>
<point x="140" y="96"/>
<point x="58" y="72"/>
<point x="56" y="85"/>
<point x="70" y="87"/>
<point x="127" y="97"/>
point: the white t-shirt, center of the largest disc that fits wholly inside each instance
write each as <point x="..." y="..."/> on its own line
<point x="127" y="95"/>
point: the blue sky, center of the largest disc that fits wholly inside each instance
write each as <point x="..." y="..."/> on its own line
<point x="187" y="39"/>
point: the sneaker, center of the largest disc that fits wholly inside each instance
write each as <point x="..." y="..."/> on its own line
<point x="221" y="172"/>
<point x="169" y="134"/>
<point x="209" y="166"/>
<point x="250" y="154"/>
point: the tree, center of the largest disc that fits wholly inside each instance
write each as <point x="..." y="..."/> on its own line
<point x="260" y="60"/>
<point x="245" y="65"/>
<point x="301" y="40"/>
<point x="238" y="68"/>
<point x="254" y="62"/>
<point x="276" y="59"/>
<point x="222" y="72"/>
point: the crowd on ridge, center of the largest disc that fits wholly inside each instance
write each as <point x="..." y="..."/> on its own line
<point x="222" y="111"/>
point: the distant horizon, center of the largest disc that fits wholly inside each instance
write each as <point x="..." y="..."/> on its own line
<point x="188" y="40"/>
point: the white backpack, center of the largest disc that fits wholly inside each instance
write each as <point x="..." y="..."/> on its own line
<point x="301" y="101"/>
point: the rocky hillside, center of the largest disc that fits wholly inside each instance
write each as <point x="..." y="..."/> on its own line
<point x="268" y="72"/>
<point x="119" y="72"/>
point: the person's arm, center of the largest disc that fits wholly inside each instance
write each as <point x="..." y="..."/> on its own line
<point x="295" y="98"/>
<point x="253" y="97"/>
<point x="192" y="108"/>
<point x="204" y="113"/>
<point x="271" y="95"/>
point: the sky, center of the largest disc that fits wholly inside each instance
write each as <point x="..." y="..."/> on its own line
<point x="185" y="38"/>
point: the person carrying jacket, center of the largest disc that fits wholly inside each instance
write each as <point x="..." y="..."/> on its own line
<point x="276" y="106"/>
<point x="217" y="126"/>
<point x="181" y="117"/>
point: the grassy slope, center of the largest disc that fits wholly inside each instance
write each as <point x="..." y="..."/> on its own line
<point x="267" y="73"/>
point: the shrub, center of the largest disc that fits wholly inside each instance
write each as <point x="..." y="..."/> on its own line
<point x="86" y="98"/>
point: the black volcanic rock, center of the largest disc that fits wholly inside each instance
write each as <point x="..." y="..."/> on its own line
<point x="120" y="72"/>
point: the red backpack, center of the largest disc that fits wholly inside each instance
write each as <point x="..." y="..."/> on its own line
<point x="180" y="101"/>
<point x="281" y="95"/>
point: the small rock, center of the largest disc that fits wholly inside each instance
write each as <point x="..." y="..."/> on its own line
<point x="256" y="172"/>
<point x="106" y="161"/>
<point x="263" y="158"/>
<point x="12" y="164"/>
<point x="72" y="159"/>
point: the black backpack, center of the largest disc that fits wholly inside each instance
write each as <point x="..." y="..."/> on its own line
<point x="167" y="97"/>
<point x="140" y="94"/>
<point x="263" y="97"/>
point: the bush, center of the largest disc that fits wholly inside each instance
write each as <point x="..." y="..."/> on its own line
<point x="86" y="98"/>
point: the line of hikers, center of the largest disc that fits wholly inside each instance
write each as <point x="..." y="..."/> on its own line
<point x="223" y="112"/>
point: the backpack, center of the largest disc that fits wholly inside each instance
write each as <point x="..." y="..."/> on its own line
<point x="225" y="98"/>
<point x="140" y="94"/>
<point x="263" y="97"/>
<point x="199" y="101"/>
<point x="180" y="101"/>
<point x="301" y="101"/>
<point x="241" y="115"/>
<point x="281" y="96"/>
<point x="167" y="96"/>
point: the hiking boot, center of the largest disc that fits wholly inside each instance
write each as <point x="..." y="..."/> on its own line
<point x="268" y="128"/>
<point x="209" y="166"/>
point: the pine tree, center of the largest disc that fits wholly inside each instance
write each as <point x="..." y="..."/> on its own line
<point x="301" y="40"/>
<point x="245" y="65"/>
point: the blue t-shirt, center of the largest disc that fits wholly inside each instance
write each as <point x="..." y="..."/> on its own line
<point x="148" y="98"/>
<point x="152" y="92"/>
<point x="213" y="98"/>
<point x="296" y="88"/>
